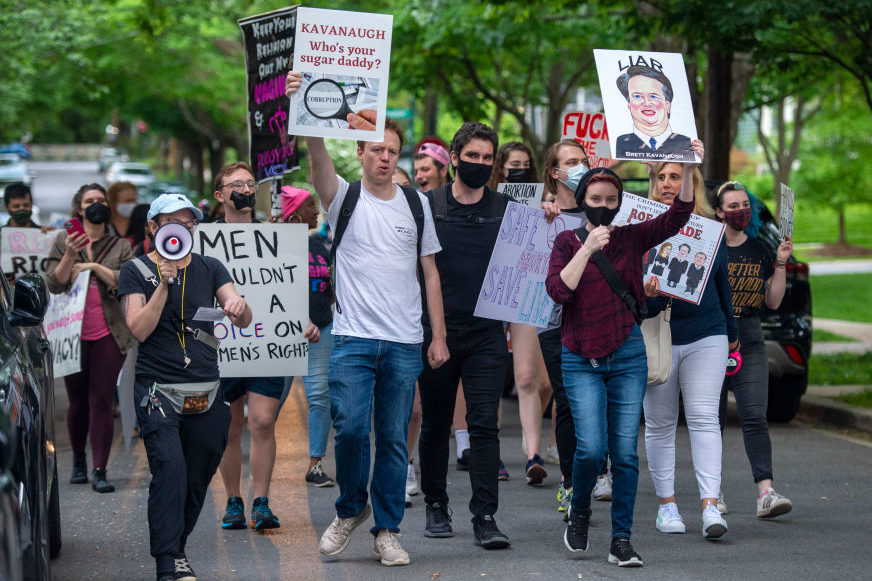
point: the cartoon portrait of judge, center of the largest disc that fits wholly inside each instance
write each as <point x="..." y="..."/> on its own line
<point x="695" y="272"/>
<point x="649" y="98"/>
<point x="662" y="259"/>
<point x="677" y="266"/>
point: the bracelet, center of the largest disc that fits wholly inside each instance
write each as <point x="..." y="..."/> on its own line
<point x="780" y="263"/>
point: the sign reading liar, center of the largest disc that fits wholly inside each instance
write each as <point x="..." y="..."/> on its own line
<point x="268" y="264"/>
<point x="514" y="286"/>
<point x="63" y="326"/>
<point x="786" y="218"/>
<point x="682" y="263"/>
<point x="527" y="194"/>
<point x="24" y="250"/>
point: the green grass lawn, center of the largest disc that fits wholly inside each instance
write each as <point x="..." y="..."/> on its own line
<point x="842" y="296"/>
<point x="862" y="399"/>
<point x="814" y="223"/>
<point x="840" y="369"/>
<point x="822" y="336"/>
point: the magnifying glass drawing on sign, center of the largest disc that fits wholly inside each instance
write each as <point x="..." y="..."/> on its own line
<point x="326" y="99"/>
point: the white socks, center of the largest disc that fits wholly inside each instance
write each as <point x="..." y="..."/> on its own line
<point x="461" y="437"/>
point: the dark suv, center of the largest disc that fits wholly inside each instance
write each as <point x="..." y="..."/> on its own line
<point x="28" y="470"/>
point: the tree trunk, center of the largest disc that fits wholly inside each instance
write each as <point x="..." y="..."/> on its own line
<point x="843" y="239"/>
<point x="197" y="166"/>
<point x="431" y="112"/>
<point x="718" y="91"/>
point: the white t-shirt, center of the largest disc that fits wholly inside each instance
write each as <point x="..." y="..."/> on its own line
<point x="376" y="267"/>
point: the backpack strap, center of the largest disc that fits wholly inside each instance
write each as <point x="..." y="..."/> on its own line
<point x="348" y="204"/>
<point x="617" y="285"/>
<point x="498" y="205"/>
<point x="144" y="270"/>
<point x="440" y="201"/>
<point x="417" y="209"/>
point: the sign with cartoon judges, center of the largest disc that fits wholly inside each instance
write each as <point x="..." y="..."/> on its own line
<point x="269" y="44"/>
<point x="514" y="286"/>
<point x="647" y="104"/>
<point x="682" y="263"/>
<point x="269" y="267"/>
<point x="345" y="59"/>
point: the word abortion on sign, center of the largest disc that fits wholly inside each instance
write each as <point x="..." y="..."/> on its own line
<point x="591" y="132"/>
<point x="63" y="326"/>
<point x="344" y="58"/>
<point x="514" y="286"/>
<point x="269" y="43"/>
<point x="24" y="250"/>
<point x="267" y="263"/>
<point x="527" y="194"/>
<point x="786" y="219"/>
<point x="682" y="263"/>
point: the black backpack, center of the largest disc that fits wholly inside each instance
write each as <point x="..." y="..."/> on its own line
<point x="440" y="207"/>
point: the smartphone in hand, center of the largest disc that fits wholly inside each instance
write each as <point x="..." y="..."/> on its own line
<point x="74" y="226"/>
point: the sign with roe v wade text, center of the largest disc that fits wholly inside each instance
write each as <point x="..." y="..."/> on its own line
<point x="514" y="286"/>
<point x="63" y="326"/>
<point x="345" y="59"/>
<point x="269" y="267"/>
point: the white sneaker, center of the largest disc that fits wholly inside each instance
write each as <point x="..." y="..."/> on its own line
<point x="388" y="550"/>
<point x="551" y="455"/>
<point x="722" y="505"/>
<point x="772" y="504"/>
<point x="408" y="501"/>
<point x="336" y="537"/>
<point x="669" y="520"/>
<point x="602" y="490"/>
<point x="411" y="481"/>
<point x="713" y="524"/>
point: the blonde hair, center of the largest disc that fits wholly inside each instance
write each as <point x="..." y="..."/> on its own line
<point x="701" y="205"/>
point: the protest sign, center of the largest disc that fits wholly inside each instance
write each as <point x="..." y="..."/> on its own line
<point x="647" y="103"/>
<point x="269" y="44"/>
<point x="345" y="59"/>
<point x="24" y="250"/>
<point x="682" y="263"/>
<point x="269" y="267"/>
<point x="63" y="326"/>
<point x="514" y="286"/>
<point x="786" y="221"/>
<point x="590" y="131"/>
<point x="527" y="194"/>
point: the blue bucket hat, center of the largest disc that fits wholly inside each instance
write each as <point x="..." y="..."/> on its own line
<point x="169" y="203"/>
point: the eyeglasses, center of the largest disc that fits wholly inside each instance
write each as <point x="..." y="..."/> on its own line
<point x="189" y="224"/>
<point x="238" y="184"/>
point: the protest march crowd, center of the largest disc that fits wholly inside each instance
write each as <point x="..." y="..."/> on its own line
<point x="396" y="347"/>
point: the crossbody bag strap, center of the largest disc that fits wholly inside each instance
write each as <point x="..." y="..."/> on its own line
<point x="106" y="249"/>
<point x="615" y="282"/>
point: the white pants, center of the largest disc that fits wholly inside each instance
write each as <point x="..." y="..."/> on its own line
<point x="698" y="373"/>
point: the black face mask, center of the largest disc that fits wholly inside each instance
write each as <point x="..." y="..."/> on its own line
<point x="474" y="175"/>
<point x="97" y="213"/>
<point x="241" y="201"/>
<point x="520" y="175"/>
<point x="599" y="215"/>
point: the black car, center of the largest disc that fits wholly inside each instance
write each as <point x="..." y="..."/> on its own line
<point x="28" y="467"/>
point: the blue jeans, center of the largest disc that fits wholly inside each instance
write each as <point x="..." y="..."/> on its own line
<point x="372" y="378"/>
<point x="317" y="393"/>
<point x="605" y="396"/>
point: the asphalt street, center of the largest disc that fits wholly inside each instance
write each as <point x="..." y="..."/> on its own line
<point x="825" y="475"/>
<point x="55" y="183"/>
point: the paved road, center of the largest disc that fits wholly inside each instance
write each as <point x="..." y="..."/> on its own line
<point x="827" y="478"/>
<point x="56" y="182"/>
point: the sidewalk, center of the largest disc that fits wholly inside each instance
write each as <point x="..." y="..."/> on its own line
<point x="862" y="332"/>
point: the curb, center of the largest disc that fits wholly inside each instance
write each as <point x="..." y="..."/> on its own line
<point x="829" y="411"/>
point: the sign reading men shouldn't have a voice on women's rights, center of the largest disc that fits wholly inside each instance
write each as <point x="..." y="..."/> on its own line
<point x="269" y="267"/>
<point x="514" y="286"/>
<point x="345" y="59"/>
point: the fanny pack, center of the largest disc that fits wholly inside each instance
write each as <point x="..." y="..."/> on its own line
<point x="189" y="398"/>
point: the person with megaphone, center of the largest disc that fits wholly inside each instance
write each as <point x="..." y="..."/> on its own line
<point x="176" y="381"/>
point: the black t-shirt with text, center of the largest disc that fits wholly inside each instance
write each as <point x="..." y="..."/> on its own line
<point x="749" y="268"/>
<point x="161" y="357"/>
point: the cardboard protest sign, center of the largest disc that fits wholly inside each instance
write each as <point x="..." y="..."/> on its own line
<point x="786" y="219"/>
<point x="269" y="44"/>
<point x="269" y="267"/>
<point x="345" y="60"/>
<point x="63" y="326"/>
<point x="647" y="103"/>
<point x="24" y="250"/>
<point x="682" y="263"/>
<point x="514" y="286"/>
<point x="527" y="194"/>
<point x="589" y="130"/>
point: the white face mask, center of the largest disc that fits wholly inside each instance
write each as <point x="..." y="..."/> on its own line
<point x="125" y="210"/>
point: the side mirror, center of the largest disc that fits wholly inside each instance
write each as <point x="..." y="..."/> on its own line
<point x="29" y="302"/>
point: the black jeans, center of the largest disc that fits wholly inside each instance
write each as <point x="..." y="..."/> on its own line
<point x="184" y="452"/>
<point x="751" y="388"/>
<point x="564" y="427"/>
<point x="479" y="358"/>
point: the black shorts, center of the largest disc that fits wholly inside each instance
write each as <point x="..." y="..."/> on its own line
<point x="236" y="387"/>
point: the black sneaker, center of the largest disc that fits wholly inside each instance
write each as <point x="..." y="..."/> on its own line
<point x="234" y="514"/>
<point x="463" y="460"/>
<point x="262" y="517"/>
<point x="80" y="470"/>
<point x="183" y="571"/>
<point x="487" y="535"/>
<point x="622" y="553"/>
<point x="575" y="536"/>
<point x="316" y="476"/>
<point x="100" y="483"/>
<point x="438" y="521"/>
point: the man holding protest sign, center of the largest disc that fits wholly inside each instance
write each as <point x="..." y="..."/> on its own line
<point x="377" y="330"/>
